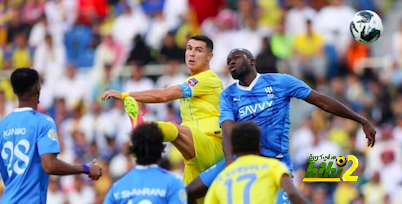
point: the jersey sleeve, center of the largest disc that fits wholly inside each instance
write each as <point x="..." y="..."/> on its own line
<point x="226" y="108"/>
<point x="295" y="87"/>
<point x="47" y="140"/>
<point x="199" y="85"/>
<point x="278" y="171"/>
<point x="211" y="196"/>
<point x="177" y="192"/>
<point x="109" y="199"/>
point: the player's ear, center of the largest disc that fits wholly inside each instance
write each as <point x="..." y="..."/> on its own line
<point x="210" y="55"/>
<point x="252" y="62"/>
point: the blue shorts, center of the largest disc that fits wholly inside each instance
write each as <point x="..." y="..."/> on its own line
<point x="209" y="175"/>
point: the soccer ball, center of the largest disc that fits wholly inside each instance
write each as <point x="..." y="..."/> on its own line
<point x="341" y="161"/>
<point x="366" y="26"/>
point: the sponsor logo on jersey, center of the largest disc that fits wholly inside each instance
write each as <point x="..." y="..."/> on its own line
<point x="254" y="108"/>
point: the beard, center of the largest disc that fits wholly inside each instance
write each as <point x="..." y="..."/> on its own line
<point x="240" y="73"/>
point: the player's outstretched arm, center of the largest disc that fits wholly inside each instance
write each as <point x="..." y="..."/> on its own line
<point x="335" y="107"/>
<point x="53" y="166"/>
<point x="227" y="127"/>
<point x="149" y="96"/>
<point x="294" y="195"/>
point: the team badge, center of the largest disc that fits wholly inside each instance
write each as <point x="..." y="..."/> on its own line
<point x="192" y="82"/>
<point x="183" y="195"/>
<point x="52" y="134"/>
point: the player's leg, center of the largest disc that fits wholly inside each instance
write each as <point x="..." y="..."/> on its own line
<point x="180" y="136"/>
<point x="199" y="186"/>
<point x="283" y="197"/>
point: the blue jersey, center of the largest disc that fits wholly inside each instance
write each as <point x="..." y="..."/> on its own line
<point x="266" y="103"/>
<point x="26" y="135"/>
<point x="145" y="185"/>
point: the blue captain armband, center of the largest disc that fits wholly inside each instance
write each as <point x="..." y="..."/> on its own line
<point x="186" y="89"/>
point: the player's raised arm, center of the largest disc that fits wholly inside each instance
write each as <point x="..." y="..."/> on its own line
<point x="294" y="195"/>
<point x="149" y="96"/>
<point x="335" y="107"/>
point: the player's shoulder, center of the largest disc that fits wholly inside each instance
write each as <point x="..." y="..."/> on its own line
<point x="231" y="89"/>
<point x="271" y="162"/>
<point x="6" y="118"/>
<point x="43" y="118"/>
<point x="169" y="175"/>
<point x="207" y="76"/>
<point x="274" y="76"/>
<point x="278" y="79"/>
<point x="128" y="176"/>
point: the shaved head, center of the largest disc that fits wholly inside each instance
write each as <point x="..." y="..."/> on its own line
<point x="242" y="51"/>
<point x="241" y="63"/>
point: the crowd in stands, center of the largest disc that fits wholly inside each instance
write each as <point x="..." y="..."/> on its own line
<point x="82" y="48"/>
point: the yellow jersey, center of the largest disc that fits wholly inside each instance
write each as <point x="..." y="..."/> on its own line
<point x="251" y="179"/>
<point x="200" y="103"/>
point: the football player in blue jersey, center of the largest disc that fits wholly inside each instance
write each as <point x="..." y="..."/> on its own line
<point x="264" y="99"/>
<point x="147" y="183"/>
<point x="29" y="146"/>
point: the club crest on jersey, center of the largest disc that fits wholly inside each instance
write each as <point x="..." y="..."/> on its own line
<point x="192" y="82"/>
<point x="270" y="92"/>
<point x="52" y="134"/>
<point x="183" y="195"/>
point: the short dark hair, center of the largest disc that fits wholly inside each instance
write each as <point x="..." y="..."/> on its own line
<point x="245" y="138"/>
<point x="23" y="80"/>
<point x="203" y="38"/>
<point x="243" y="51"/>
<point x="147" y="143"/>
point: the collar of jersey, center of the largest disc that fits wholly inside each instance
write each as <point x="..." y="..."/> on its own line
<point x="248" y="88"/>
<point x="145" y="166"/>
<point x="23" y="109"/>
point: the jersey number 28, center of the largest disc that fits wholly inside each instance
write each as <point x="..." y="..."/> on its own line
<point x="9" y="151"/>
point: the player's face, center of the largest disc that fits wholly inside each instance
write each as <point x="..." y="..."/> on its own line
<point x="238" y="65"/>
<point x="197" y="55"/>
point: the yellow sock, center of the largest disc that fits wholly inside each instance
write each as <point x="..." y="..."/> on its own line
<point x="169" y="130"/>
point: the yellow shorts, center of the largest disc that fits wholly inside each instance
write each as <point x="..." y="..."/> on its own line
<point x="208" y="151"/>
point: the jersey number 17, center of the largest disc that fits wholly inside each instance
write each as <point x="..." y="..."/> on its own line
<point x="250" y="178"/>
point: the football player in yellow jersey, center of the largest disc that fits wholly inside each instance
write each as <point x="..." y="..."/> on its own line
<point x="251" y="179"/>
<point x="198" y="138"/>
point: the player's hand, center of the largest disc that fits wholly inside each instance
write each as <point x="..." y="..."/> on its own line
<point x="111" y="94"/>
<point x="370" y="133"/>
<point x="95" y="172"/>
